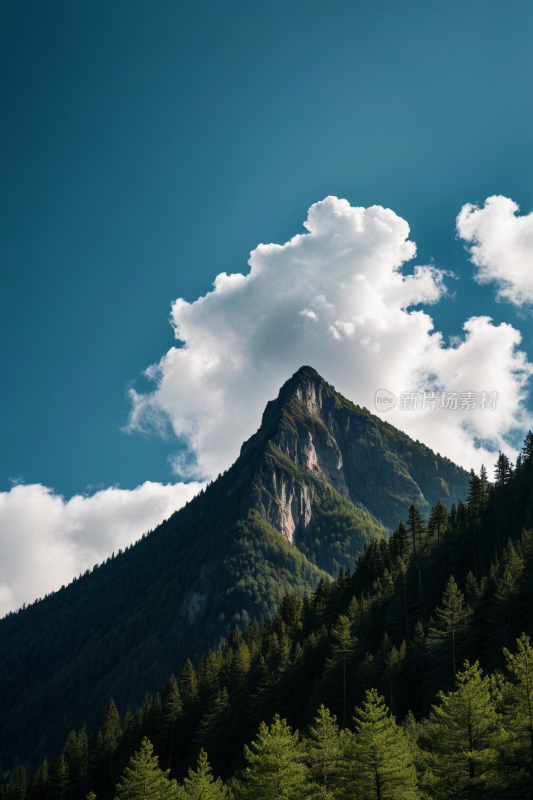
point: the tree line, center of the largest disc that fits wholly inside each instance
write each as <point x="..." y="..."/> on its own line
<point x="476" y="742"/>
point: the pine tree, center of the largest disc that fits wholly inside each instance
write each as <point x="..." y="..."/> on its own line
<point x="438" y="521"/>
<point x="17" y="788"/>
<point x="474" y="492"/>
<point x="188" y="686"/>
<point x="527" y="449"/>
<point x="390" y="660"/>
<point x="453" y="518"/>
<point x="208" y="675"/>
<point x="200" y="784"/>
<point x="484" y="486"/>
<point x="380" y="764"/>
<point x="215" y="728"/>
<point x="172" y="709"/>
<point x="342" y="649"/>
<point x="58" y="778"/>
<point x="501" y="614"/>
<point x="143" y="779"/>
<point x="502" y="470"/>
<point x="461" y="739"/>
<point x="39" y="784"/>
<point x="290" y="609"/>
<point x="103" y="755"/>
<point x="399" y="542"/>
<point x="327" y="764"/>
<point x="240" y="665"/>
<point x="415" y="526"/>
<point x="276" y="764"/>
<point x="519" y="720"/>
<point x="448" y="630"/>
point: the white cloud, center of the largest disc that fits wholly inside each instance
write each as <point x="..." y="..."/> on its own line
<point x="309" y="314"/>
<point x="45" y="541"/>
<point x="501" y="247"/>
<point x="246" y="337"/>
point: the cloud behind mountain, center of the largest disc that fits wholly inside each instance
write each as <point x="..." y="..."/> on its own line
<point x="334" y="297"/>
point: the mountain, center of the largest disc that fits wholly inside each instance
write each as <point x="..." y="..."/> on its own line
<point x="320" y="479"/>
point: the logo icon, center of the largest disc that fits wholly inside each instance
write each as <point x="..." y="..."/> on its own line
<point x="384" y="400"/>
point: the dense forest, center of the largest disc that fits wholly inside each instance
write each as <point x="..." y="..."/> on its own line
<point x="411" y="676"/>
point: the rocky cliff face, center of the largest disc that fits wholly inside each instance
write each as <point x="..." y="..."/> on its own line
<point x="313" y="437"/>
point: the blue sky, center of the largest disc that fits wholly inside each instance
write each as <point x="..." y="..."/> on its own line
<point x="147" y="147"/>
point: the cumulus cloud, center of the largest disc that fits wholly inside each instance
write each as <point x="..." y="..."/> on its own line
<point x="501" y="247"/>
<point x="334" y="298"/>
<point x="45" y="541"/>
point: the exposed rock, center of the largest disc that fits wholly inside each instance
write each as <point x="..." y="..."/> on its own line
<point x="330" y="440"/>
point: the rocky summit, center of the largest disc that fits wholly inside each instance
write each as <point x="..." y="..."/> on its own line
<point x="311" y="438"/>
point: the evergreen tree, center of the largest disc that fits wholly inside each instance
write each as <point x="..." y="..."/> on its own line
<point x="380" y="764"/>
<point x="474" y="492"/>
<point x="103" y="754"/>
<point x="519" y="720"/>
<point x="415" y="526"/>
<point x="240" y="665"/>
<point x="58" y="778"/>
<point x="171" y="712"/>
<point x="290" y="609"/>
<point x="143" y="779"/>
<point x="39" y="784"/>
<point x="501" y="613"/>
<point x="200" y="784"/>
<point x="214" y="730"/>
<point x="438" y="521"/>
<point x="17" y="787"/>
<point x="188" y="686"/>
<point x="342" y="649"/>
<point x="502" y="470"/>
<point x="208" y="675"/>
<point x="76" y="750"/>
<point x="327" y="764"/>
<point x="391" y="661"/>
<point x="276" y="764"/>
<point x="527" y="449"/>
<point x="448" y="629"/>
<point x="461" y="739"/>
<point x="399" y="542"/>
<point x="453" y="518"/>
<point x="484" y="486"/>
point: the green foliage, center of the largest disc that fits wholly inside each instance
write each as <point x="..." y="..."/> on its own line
<point x="462" y="738"/>
<point x="448" y="631"/>
<point x="341" y="531"/>
<point x="344" y="646"/>
<point x="518" y="757"/>
<point x="200" y="784"/>
<point x="327" y="765"/>
<point x="379" y="757"/>
<point x="276" y="764"/>
<point x="143" y="779"/>
<point x="17" y="787"/>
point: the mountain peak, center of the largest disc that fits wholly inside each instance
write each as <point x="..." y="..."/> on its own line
<point x="312" y="436"/>
<point x="306" y="372"/>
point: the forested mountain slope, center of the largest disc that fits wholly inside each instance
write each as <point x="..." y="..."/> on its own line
<point x="417" y="604"/>
<point x="318" y="481"/>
